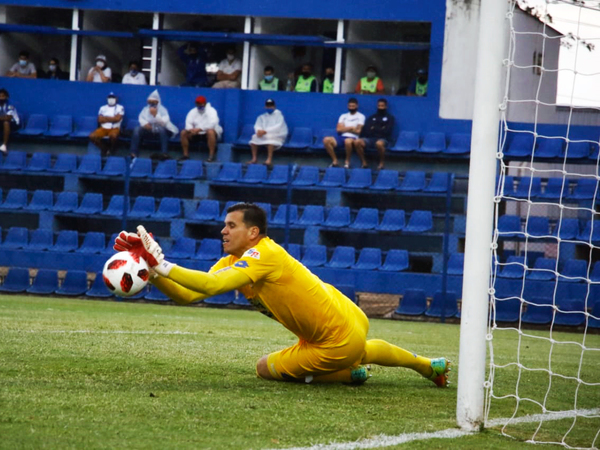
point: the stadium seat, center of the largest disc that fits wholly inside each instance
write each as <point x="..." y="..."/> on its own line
<point x="419" y="222"/>
<point x="514" y="267"/>
<point x="571" y="312"/>
<point x="314" y="256"/>
<point x="209" y="250"/>
<point x="386" y="180"/>
<point x="93" y="242"/>
<point x="544" y="269"/>
<point x="109" y="246"/>
<point x="443" y="305"/>
<point x="41" y="239"/>
<point x="313" y="215"/>
<point x="368" y="259"/>
<point x="16" y="238"/>
<point x="307" y="176"/>
<point x="44" y="283"/>
<point x="143" y="207"/>
<point x="90" y="204"/>
<point x="280" y="215"/>
<point x="538" y="226"/>
<point x="366" y="219"/>
<point x="413" y="181"/>
<point x="169" y="208"/>
<point x="413" y="303"/>
<point x="440" y="182"/>
<point x="528" y="187"/>
<point x="155" y="295"/>
<point x="39" y="162"/>
<point x="509" y="226"/>
<point x="594" y="320"/>
<point x="576" y="150"/>
<point x="240" y="300"/>
<point x="75" y="283"/>
<point x="408" y="141"/>
<point x="456" y="264"/>
<point x="342" y="258"/>
<point x="554" y="188"/>
<point x="434" y="142"/>
<point x="190" y="170"/>
<point x="255" y="174"/>
<point x="115" y="206"/>
<point x="359" y="179"/>
<point x="141" y="168"/>
<point x="395" y="261"/>
<point x="222" y="300"/>
<point x="114" y="166"/>
<point x="508" y="187"/>
<point x="60" y="126"/>
<point x="66" y="241"/>
<point x="521" y="145"/>
<point x="98" y="288"/>
<point x="393" y="220"/>
<point x="278" y="176"/>
<point x="83" y="126"/>
<point x="15" y="199"/>
<point x="17" y="280"/>
<point x="549" y="148"/>
<point x="507" y="310"/>
<point x="15" y="160"/>
<point x="184" y="248"/>
<point x="569" y="229"/>
<point x="66" y="202"/>
<point x="65" y="163"/>
<point x="245" y="136"/>
<point x="460" y="144"/>
<point x="207" y="210"/>
<point x="230" y="172"/>
<point x="300" y="139"/>
<point x="595" y="275"/>
<point x="585" y="189"/>
<point x="348" y="290"/>
<point x="575" y="270"/>
<point x="322" y="134"/>
<point x="90" y="164"/>
<point x="227" y="206"/>
<point x="266" y="207"/>
<point x="539" y="311"/>
<point x="333" y="177"/>
<point x="165" y="170"/>
<point x="339" y="216"/>
<point x="37" y="124"/>
<point x="295" y="251"/>
<point x="588" y="234"/>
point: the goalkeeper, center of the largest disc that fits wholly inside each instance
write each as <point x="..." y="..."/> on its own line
<point x="332" y="330"/>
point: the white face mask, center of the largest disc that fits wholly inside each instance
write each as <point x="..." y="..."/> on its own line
<point x="230" y="57"/>
<point x="100" y="64"/>
<point x="112" y="101"/>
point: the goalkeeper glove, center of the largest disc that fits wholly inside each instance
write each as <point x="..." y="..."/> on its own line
<point x="154" y="255"/>
<point x="127" y="242"/>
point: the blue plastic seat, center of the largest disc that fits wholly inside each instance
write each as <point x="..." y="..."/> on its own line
<point x="588" y="234"/>
<point x="359" y="179"/>
<point x="207" y="210"/>
<point x="98" y="288"/>
<point x="395" y="261"/>
<point x="443" y="305"/>
<point x="114" y="166"/>
<point x="314" y="256"/>
<point x="419" y="222"/>
<point x="209" y="250"/>
<point x="93" y="242"/>
<point x="240" y="300"/>
<point x="307" y="176"/>
<point x="460" y="144"/>
<point x="539" y="311"/>
<point x="576" y="150"/>
<point x="44" y="283"/>
<point x="65" y="163"/>
<point x="255" y="173"/>
<point x="36" y="125"/>
<point x="413" y="181"/>
<point x="280" y="215"/>
<point x="393" y="220"/>
<point x="549" y="148"/>
<point x="386" y="180"/>
<point x="60" y="126"/>
<point x="224" y="299"/>
<point x="339" y="216"/>
<point x="17" y="280"/>
<point x="347" y="290"/>
<point x="507" y="310"/>
<point x="41" y="239"/>
<point x="368" y="259"/>
<point x="115" y="206"/>
<point x="155" y="295"/>
<point x="538" y="226"/>
<point x="143" y="207"/>
<point x="278" y="176"/>
<point x="184" y="248"/>
<point x="141" y="168"/>
<point x="342" y="258"/>
<point x="16" y="199"/>
<point x="90" y="164"/>
<point x="313" y="215"/>
<point x="544" y="269"/>
<point x="585" y="189"/>
<point x="521" y="145"/>
<point x="528" y="187"/>
<point x="109" y="247"/>
<point x="508" y="188"/>
<point x="190" y="170"/>
<point x="333" y="177"/>
<point x="15" y="160"/>
<point x="434" y="142"/>
<point x="322" y="134"/>
<point x="571" y="312"/>
<point x="169" y="208"/>
<point x="295" y="251"/>
<point x="514" y="267"/>
<point x="165" y="170"/>
<point x="569" y="229"/>
<point x="245" y="136"/>
<point x="39" y="162"/>
<point x="228" y="205"/>
<point x="594" y="320"/>
<point x="408" y="141"/>
<point x="300" y="139"/>
<point x="456" y="264"/>
<point x="554" y="188"/>
<point x="509" y="226"/>
<point x="66" y="202"/>
<point x="66" y="241"/>
<point x="266" y="207"/>
<point x="413" y="303"/>
<point x="90" y="204"/>
<point x="575" y="270"/>
<point x="83" y="126"/>
<point x="230" y="172"/>
<point x="366" y="219"/>
<point x="595" y="275"/>
<point x="75" y="283"/>
<point x="440" y="182"/>
<point x="16" y="238"/>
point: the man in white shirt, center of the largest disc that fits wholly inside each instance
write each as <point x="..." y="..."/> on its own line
<point x="100" y="73"/>
<point x="23" y="68"/>
<point x="348" y="129"/>
<point x="202" y="122"/>
<point x="9" y="118"/>
<point x="230" y="71"/>
<point x="134" y="76"/>
<point x="110" y="117"/>
<point x="271" y="132"/>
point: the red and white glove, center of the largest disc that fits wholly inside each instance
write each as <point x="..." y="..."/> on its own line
<point x="154" y="255"/>
<point x="127" y="242"/>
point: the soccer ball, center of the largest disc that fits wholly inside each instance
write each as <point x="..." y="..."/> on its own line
<point x="125" y="274"/>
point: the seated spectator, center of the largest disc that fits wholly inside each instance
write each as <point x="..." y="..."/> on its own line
<point x="110" y="117"/>
<point x="100" y="73"/>
<point x="376" y="133"/>
<point x="271" y="132"/>
<point x="134" y="76"/>
<point x="270" y="82"/>
<point x="154" y="121"/>
<point x="22" y="68"/>
<point x="371" y="84"/>
<point x="306" y="81"/>
<point x="230" y="71"/>
<point x="202" y="122"/>
<point x="348" y="129"/>
<point x="327" y="85"/>
<point x="9" y="119"/>
<point x="54" y="71"/>
<point x="418" y="86"/>
<point x="194" y="58"/>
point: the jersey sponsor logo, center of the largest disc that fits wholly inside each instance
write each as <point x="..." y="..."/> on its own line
<point x="222" y="270"/>
<point x="253" y="253"/>
<point x="241" y="264"/>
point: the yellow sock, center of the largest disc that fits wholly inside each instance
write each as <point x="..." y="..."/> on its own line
<point x="383" y="353"/>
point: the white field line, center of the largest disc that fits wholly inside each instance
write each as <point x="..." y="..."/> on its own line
<point x="106" y="332"/>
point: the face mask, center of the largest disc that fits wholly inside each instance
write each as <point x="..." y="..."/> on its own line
<point x="352" y="110"/>
<point x="381" y="111"/>
<point x="52" y="67"/>
<point x="371" y="74"/>
<point x="330" y="76"/>
<point x="269" y="78"/>
<point x="269" y="110"/>
<point x="111" y="101"/>
<point x="133" y="73"/>
<point x="306" y="74"/>
<point x="100" y="64"/>
<point x="200" y="108"/>
<point x="22" y="62"/>
<point x="230" y="57"/>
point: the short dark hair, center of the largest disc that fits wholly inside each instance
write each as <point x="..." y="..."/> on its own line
<point x="353" y="100"/>
<point x="24" y="53"/>
<point x="56" y="61"/>
<point x="254" y="216"/>
<point x="4" y="91"/>
<point x="269" y="68"/>
<point x="371" y="67"/>
<point x="382" y="100"/>
<point x="137" y="63"/>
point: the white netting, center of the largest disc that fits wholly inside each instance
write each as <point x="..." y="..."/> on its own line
<point x="544" y="340"/>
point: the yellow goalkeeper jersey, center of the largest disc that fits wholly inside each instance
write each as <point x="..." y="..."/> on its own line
<point x="288" y="292"/>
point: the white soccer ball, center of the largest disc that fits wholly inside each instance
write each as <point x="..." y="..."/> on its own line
<point x="125" y="274"/>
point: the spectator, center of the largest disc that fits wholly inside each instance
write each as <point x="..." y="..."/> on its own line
<point x="9" y="119"/>
<point x="270" y="82"/>
<point x="371" y="84"/>
<point x="327" y="85"/>
<point x="23" y="68"/>
<point x="100" y="73"/>
<point x="55" y="72"/>
<point x="229" y="72"/>
<point x="110" y="117"/>
<point x="271" y="132"/>
<point x="154" y="121"/>
<point x="202" y="122"/>
<point x="134" y="76"/>
<point x="306" y="81"/>
<point x="194" y="58"/>
<point x="418" y="86"/>
<point x="348" y="129"/>
<point x="376" y="133"/>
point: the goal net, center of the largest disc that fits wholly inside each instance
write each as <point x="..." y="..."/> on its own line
<point x="543" y="383"/>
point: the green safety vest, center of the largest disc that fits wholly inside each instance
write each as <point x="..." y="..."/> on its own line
<point x="303" y="85"/>
<point x="369" y="86"/>
<point x="272" y="86"/>
<point x="327" y="86"/>
<point x="421" y="89"/>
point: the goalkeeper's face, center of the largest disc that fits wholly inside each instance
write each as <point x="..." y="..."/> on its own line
<point x="237" y="237"/>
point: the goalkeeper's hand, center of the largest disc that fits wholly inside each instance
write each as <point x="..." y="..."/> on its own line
<point x="154" y="255"/>
<point x="127" y="242"/>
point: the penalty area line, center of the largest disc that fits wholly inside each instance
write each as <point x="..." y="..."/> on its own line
<point x="107" y="332"/>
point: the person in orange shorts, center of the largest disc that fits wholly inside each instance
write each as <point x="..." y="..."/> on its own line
<point x="110" y="117"/>
<point x="332" y="330"/>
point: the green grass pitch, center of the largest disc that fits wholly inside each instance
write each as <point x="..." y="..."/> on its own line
<point x="93" y="374"/>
